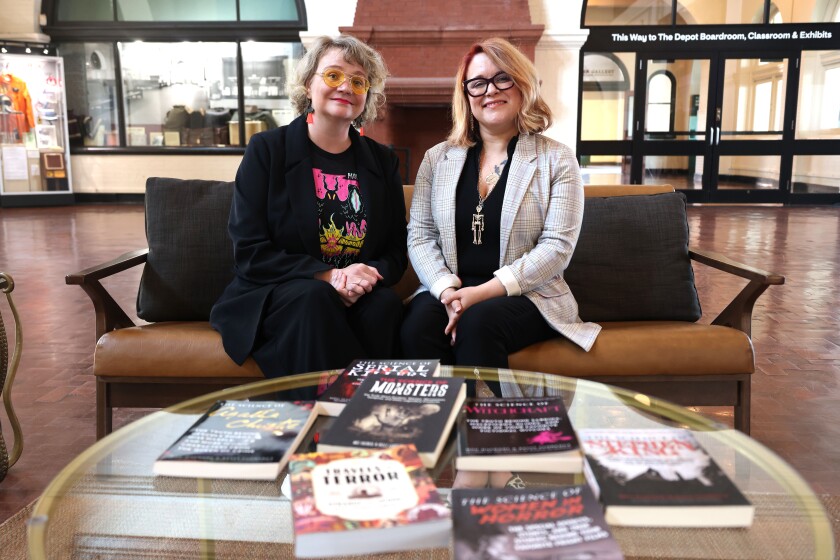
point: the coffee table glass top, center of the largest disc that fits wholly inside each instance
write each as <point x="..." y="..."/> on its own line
<point x="108" y="504"/>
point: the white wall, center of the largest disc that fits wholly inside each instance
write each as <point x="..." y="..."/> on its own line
<point x="19" y="21"/>
<point x="556" y="57"/>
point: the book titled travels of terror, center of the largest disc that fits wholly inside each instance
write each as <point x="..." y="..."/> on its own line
<point x="517" y="434"/>
<point x="387" y="410"/>
<point x="249" y="440"/>
<point x="365" y="502"/>
<point x="338" y="388"/>
<point x="530" y="524"/>
<point x="660" y="478"/>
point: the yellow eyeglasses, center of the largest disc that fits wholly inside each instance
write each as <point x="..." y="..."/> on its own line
<point x="334" y="78"/>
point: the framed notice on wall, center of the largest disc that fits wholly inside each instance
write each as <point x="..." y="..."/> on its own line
<point x="34" y="154"/>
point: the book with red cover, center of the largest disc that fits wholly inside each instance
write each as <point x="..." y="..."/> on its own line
<point x="531" y="524"/>
<point x="337" y="389"/>
<point x="365" y="502"/>
<point x="660" y="478"/>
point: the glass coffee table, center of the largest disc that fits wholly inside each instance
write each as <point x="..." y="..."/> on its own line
<point x="108" y="504"/>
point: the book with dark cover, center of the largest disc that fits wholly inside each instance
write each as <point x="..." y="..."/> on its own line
<point x="365" y="502"/>
<point x="339" y="388"/>
<point x="387" y="410"/>
<point x="530" y="524"/>
<point x="517" y="434"/>
<point x="660" y="478"/>
<point x="249" y="440"/>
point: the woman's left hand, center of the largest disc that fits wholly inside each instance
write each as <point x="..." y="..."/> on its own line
<point x="474" y="294"/>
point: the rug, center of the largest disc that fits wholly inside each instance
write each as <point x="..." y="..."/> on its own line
<point x="13" y="530"/>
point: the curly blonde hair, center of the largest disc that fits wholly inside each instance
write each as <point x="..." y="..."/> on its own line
<point x="534" y="115"/>
<point x="355" y="52"/>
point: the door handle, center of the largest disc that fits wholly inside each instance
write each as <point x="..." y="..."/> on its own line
<point x="717" y="142"/>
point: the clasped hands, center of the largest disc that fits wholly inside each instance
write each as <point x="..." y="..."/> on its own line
<point x="456" y="301"/>
<point x="354" y="281"/>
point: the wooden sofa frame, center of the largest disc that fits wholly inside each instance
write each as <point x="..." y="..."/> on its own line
<point x="707" y="390"/>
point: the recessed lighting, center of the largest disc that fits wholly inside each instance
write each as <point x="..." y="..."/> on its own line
<point x="46" y="51"/>
<point x="28" y="50"/>
<point x="3" y="50"/>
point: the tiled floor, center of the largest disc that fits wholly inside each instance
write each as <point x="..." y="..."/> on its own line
<point x="795" y="331"/>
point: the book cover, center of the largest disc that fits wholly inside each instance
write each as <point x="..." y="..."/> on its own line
<point x="337" y="389"/>
<point x="661" y="477"/>
<point x="240" y="440"/>
<point x="530" y="524"/>
<point x="519" y="434"/>
<point x="388" y="410"/>
<point x="358" y="502"/>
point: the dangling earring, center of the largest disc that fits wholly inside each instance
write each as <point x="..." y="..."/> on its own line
<point x="310" y="112"/>
<point x="361" y="128"/>
<point x="472" y="126"/>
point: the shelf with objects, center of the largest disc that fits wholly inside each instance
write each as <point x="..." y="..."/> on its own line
<point x="34" y="158"/>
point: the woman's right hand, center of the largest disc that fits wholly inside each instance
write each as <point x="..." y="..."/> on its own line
<point x="354" y="281"/>
<point x="453" y="311"/>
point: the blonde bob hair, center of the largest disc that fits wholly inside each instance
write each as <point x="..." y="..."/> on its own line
<point x="355" y="52"/>
<point x="534" y="115"/>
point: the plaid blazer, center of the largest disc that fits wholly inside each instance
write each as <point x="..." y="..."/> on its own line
<point x="541" y="218"/>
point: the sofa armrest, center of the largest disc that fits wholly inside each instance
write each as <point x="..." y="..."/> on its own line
<point x="738" y="314"/>
<point x="109" y="315"/>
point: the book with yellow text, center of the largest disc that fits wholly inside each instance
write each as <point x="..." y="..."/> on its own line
<point x="250" y="440"/>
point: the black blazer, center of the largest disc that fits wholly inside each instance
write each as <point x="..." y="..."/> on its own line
<point x="274" y="225"/>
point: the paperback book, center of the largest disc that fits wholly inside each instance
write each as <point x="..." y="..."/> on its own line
<point x="661" y="478"/>
<point x="520" y="434"/>
<point x="388" y="410"/>
<point x="365" y="502"/>
<point x="339" y="388"/>
<point x="250" y="440"/>
<point x="530" y="524"/>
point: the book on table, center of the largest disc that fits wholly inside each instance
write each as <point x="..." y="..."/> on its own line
<point x="388" y="410"/>
<point x="338" y="388"/>
<point x="660" y="478"/>
<point x="532" y="523"/>
<point x="365" y="502"/>
<point x="249" y="440"/>
<point x="517" y="434"/>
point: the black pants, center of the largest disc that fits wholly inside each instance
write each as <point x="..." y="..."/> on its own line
<point x="306" y="327"/>
<point x="486" y="332"/>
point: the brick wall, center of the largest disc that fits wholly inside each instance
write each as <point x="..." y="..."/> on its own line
<point x="423" y="42"/>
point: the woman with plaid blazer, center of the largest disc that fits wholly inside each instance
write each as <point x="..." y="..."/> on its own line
<point x="495" y="217"/>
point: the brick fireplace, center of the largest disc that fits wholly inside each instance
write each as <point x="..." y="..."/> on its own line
<point x="423" y="42"/>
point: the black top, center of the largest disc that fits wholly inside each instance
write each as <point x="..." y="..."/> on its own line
<point x="342" y="220"/>
<point x="477" y="263"/>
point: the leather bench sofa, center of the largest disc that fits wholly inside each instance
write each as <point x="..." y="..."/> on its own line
<point x="631" y="273"/>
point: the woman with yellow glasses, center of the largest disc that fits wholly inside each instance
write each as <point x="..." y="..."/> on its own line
<point x="318" y="226"/>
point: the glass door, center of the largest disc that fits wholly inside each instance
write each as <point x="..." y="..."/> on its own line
<point x="676" y="119"/>
<point x="755" y="124"/>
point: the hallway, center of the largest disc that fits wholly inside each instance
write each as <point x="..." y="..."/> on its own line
<point x="795" y="391"/>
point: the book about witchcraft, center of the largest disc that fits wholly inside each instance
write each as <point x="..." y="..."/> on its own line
<point x="365" y="502"/>
<point x="517" y="434"/>
<point x="338" y="388"/>
<point x="530" y="524"/>
<point x="388" y="410"/>
<point x="660" y="478"/>
<point x="250" y="440"/>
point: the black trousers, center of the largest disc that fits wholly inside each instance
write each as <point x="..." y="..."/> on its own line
<point x="486" y="332"/>
<point x="306" y="327"/>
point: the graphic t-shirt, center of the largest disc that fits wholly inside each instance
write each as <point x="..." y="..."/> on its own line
<point x="342" y="222"/>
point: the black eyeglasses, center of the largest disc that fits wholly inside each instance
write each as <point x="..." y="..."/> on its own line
<point x="478" y="86"/>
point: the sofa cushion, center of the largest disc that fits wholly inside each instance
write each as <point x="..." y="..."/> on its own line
<point x="631" y="262"/>
<point x="190" y="257"/>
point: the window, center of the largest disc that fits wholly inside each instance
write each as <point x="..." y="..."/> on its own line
<point x="660" y="103"/>
<point x="135" y="88"/>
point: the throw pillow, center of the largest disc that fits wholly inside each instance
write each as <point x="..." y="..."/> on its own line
<point x="631" y="261"/>
<point x="190" y="254"/>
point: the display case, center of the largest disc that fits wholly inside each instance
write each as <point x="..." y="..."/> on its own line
<point x="34" y="157"/>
